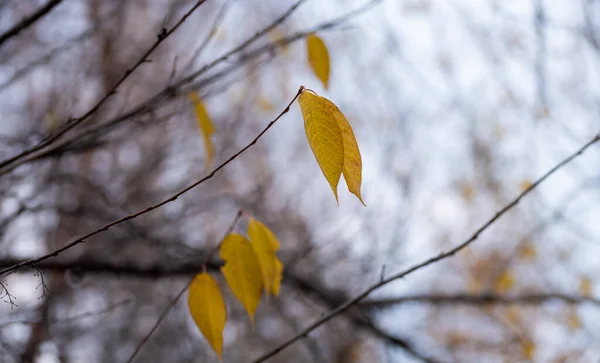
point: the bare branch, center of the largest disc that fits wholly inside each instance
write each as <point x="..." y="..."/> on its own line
<point x="162" y="36"/>
<point x="28" y="21"/>
<point x="155" y="206"/>
<point x="427" y="262"/>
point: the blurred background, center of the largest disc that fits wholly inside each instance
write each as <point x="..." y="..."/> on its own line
<point x="457" y="105"/>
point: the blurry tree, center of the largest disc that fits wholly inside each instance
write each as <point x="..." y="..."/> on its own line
<point x="459" y="107"/>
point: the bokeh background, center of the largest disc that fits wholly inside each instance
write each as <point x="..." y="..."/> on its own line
<point x="457" y="105"/>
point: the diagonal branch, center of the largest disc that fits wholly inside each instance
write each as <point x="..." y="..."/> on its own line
<point x="28" y="21"/>
<point x="384" y="281"/>
<point x="161" y="37"/>
<point x="172" y="198"/>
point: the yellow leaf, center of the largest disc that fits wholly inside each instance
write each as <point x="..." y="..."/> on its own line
<point x="504" y="282"/>
<point x="585" y="287"/>
<point x="528" y="349"/>
<point x="206" y="126"/>
<point x="278" y="277"/>
<point x="573" y="321"/>
<point x="242" y="271"/>
<point x="352" y="160"/>
<point x="526" y="184"/>
<point x="318" y="57"/>
<point x="527" y="252"/>
<point x="324" y="136"/>
<point x="207" y="308"/>
<point x="265" y="245"/>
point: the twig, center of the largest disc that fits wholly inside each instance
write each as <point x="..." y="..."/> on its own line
<point x="162" y="36"/>
<point x="172" y="303"/>
<point x="152" y="207"/>
<point x="427" y="262"/>
<point x="479" y="299"/>
<point x="25" y="23"/>
<point x="71" y="318"/>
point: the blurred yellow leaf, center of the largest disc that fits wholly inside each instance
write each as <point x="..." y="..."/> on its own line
<point x="573" y="321"/>
<point x="265" y="245"/>
<point x="332" y="141"/>
<point x="528" y="349"/>
<point x="206" y="126"/>
<point x="318" y="57"/>
<point x="527" y="252"/>
<point x="324" y="137"/>
<point x="504" y="282"/>
<point x="526" y="184"/>
<point x="264" y="104"/>
<point x="585" y="287"/>
<point x="242" y="271"/>
<point x="207" y="308"/>
<point x="467" y="191"/>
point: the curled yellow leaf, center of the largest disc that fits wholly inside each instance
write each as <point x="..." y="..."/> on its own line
<point x="318" y="57"/>
<point x="205" y="125"/>
<point x="332" y="141"/>
<point x="242" y="271"/>
<point x="324" y="137"/>
<point x="207" y="307"/>
<point x="352" y="170"/>
<point x="265" y="245"/>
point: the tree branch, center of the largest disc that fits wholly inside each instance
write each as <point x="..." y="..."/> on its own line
<point x="28" y="21"/>
<point x="172" y="198"/>
<point x="355" y="300"/>
<point x="162" y="36"/>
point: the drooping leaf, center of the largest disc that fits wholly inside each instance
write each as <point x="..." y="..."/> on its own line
<point x="207" y="308"/>
<point x="352" y="170"/>
<point x="242" y="271"/>
<point x="318" y="57"/>
<point x="278" y="276"/>
<point x="324" y="137"/>
<point x="206" y="126"/>
<point x="265" y="246"/>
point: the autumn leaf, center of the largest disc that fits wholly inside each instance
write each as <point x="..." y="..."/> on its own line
<point x="265" y="245"/>
<point x="504" y="282"/>
<point x="242" y="271"/>
<point x="527" y="252"/>
<point x="585" y="287"/>
<point x="207" y="308"/>
<point x="332" y="141"/>
<point x="324" y="137"/>
<point x="318" y="57"/>
<point x="352" y="170"/>
<point x="206" y="126"/>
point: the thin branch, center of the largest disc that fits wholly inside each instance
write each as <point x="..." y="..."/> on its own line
<point x="355" y="300"/>
<point x="71" y="318"/>
<point x="28" y="21"/>
<point x="152" y="207"/>
<point x="480" y="299"/>
<point x="161" y="37"/>
<point x="170" y="91"/>
<point x="172" y="303"/>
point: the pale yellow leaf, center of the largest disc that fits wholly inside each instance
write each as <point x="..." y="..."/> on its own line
<point x="324" y="137"/>
<point x="352" y="170"/>
<point x="573" y="321"/>
<point x="205" y="125"/>
<point x="528" y="349"/>
<point x="527" y="252"/>
<point x="207" y="308"/>
<point x="265" y="245"/>
<point x="318" y="57"/>
<point x="278" y="276"/>
<point x="585" y="287"/>
<point x="504" y="283"/>
<point x="242" y="271"/>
